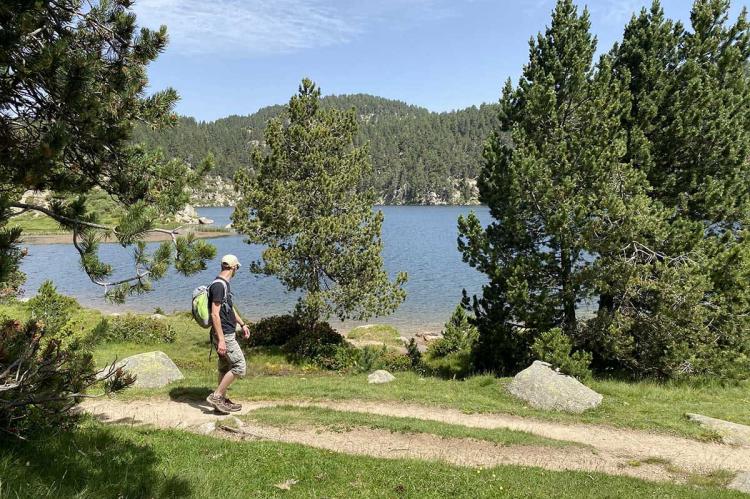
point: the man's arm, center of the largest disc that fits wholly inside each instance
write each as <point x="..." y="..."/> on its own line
<point x="221" y="346"/>
<point x="245" y="328"/>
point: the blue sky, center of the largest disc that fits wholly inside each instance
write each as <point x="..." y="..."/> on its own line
<point x="236" y="56"/>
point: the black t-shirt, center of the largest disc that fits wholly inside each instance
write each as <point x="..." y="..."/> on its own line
<point x="226" y="311"/>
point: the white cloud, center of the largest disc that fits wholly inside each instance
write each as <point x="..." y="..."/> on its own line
<point x="246" y="26"/>
<point x="252" y="27"/>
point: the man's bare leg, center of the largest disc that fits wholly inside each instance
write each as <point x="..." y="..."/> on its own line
<point x="224" y="382"/>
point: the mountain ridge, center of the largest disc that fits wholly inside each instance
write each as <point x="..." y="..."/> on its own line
<point x="419" y="156"/>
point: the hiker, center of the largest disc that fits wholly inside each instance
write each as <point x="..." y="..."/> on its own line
<point x="224" y="321"/>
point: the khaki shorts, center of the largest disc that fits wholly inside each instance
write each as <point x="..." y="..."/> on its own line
<point x="234" y="359"/>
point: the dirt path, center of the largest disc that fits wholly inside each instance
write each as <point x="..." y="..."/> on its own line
<point x="612" y="451"/>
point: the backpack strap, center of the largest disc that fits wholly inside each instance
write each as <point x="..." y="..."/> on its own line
<point x="226" y="288"/>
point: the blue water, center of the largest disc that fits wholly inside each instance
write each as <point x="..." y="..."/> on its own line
<point x="420" y="240"/>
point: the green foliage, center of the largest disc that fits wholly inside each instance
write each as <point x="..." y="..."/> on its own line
<point x="414" y="152"/>
<point x="632" y="192"/>
<point x="43" y="373"/>
<point x="310" y="344"/>
<point x="458" y="335"/>
<point x="555" y="347"/>
<point x="455" y="365"/>
<point x="301" y="201"/>
<point x="372" y="358"/>
<point x="558" y="193"/>
<point x="274" y="331"/>
<point x="134" y="329"/>
<point x="51" y="308"/>
<point x="412" y="351"/>
<point x="77" y="92"/>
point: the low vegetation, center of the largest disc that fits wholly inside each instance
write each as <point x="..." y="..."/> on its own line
<point x="173" y="463"/>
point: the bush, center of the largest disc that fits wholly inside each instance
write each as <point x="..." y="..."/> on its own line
<point x="458" y="335"/>
<point x="451" y="366"/>
<point x="319" y="342"/>
<point x="372" y="358"/>
<point x="555" y="347"/>
<point x="134" y="329"/>
<point x="274" y="331"/>
<point x="43" y="376"/>
<point x="51" y="308"/>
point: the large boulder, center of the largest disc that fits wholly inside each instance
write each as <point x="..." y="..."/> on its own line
<point x="731" y="433"/>
<point x="544" y="388"/>
<point x="187" y="215"/>
<point x="152" y="369"/>
<point x="380" y="376"/>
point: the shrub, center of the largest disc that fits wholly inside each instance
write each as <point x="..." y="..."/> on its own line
<point x="451" y="366"/>
<point x="274" y="331"/>
<point x="412" y="351"/>
<point x="134" y="329"/>
<point x="320" y="341"/>
<point x="458" y="335"/>
<point x="372" y="358"/>
<point x="51" y="308"/>
<point x="555" y="347"/>
<point x="43" y="376"/>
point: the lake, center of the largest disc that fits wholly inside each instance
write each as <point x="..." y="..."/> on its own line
<point x="420" y="240"/>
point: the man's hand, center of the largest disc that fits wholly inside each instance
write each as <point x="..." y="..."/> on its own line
<point x="245" y="331"/>
<point x="221" y="348"/>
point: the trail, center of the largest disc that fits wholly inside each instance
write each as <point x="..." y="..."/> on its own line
<point x="607" y="450"/>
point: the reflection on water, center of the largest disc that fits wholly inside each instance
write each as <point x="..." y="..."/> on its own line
<point x="420" y="240"/>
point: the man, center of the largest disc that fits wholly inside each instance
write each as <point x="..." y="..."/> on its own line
<point x="224" y="322"/>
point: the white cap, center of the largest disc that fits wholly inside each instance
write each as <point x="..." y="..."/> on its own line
<point x="231" y="261"/>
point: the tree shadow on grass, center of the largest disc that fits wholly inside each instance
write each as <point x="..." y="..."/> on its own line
<point x="93" y="461"/>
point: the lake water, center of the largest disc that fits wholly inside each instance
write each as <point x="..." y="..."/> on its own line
<point x="420" y="240"/>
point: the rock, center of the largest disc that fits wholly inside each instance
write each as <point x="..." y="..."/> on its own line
<point x="741" y="482"/>
<point x="380" y="376"/>
<point x="157" y="316"/>
<point x="206" y="428"/>
<point x="205" y="221"/>
<point x="731" y="433"/>
<point x="152" y="369"/>
<point x="187" y="215"/>
<point x="544" y="388"/>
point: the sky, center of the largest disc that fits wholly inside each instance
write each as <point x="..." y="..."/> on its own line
<point x="236" y="56"/>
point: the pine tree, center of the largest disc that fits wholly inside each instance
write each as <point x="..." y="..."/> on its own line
<point x="301" y="201"/>
<point x="559" y="194"/>
<point x="72" y="90"/>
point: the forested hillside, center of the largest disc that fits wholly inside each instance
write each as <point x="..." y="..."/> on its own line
<point x="419" y="157"/>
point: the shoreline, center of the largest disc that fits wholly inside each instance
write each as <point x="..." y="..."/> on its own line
<point x="67" y="238"/>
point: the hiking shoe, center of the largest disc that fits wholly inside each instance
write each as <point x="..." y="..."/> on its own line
<point x="231" y="405"/>
<point x="218" y="404"/>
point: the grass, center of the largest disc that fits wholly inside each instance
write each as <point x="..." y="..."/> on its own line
<point x="340" y="421"/>
<point x="121" y="461"/>
<point x="382" y="333"/>
<point x="652" y="406"/>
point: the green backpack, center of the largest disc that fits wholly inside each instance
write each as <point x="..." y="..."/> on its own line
<point x="201" y="309"/>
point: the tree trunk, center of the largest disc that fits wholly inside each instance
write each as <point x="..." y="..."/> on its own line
<point x="568" y="292"/>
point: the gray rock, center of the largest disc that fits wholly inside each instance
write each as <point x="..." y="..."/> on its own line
<point x="187" y="215"/>
<point x="380" y="376"/>
<point x="741" y="482"/>
<point x="152" y="369"/>
<point x="205" y="221"/>
<point x="157" y="316"/>
<point x="207" y="428"/>
<point x="731" y="433"/>
<point x="544" y="388"/>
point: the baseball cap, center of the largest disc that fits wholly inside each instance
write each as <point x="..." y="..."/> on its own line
<point x="231" y="261"/>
